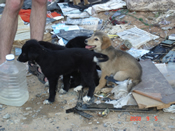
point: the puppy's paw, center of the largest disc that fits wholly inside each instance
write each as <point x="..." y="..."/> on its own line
<point x="86" y="98"/>
<point x="97" y="90"/>
<point x="78" y="88"/>
<point x="121" y="94"/>
<point x="61" y="91"/>
<point x="106" y="90"/>
<point x="47" y="102"/>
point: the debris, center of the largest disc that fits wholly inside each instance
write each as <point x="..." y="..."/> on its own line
<point x="62" y="26"/>
<point x="72" y="12"/>
<point x="102" y="95"/>
<point x="170" y="109"/>
<point x="137" y="53"/>
<point x="154" y="90"/>
<point x="136" y="36"/>
<point x="161" y="5"/>
<point x="167" y="28"/>
<point x="104" y="113"/>
<point x="120" y="102"/>
<point x="70" y="34"/>
<point x="126" y="45"/>
<point x="171" y="37"/>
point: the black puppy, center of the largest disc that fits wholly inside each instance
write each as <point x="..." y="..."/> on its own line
<point x="54" y="63"/>
<point x="79" y="42"/>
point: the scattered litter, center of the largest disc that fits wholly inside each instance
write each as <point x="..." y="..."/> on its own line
<point x="171" y="37"/>
<point x="86" y="23"/>
<point x="110" y="5"/>
<point x="136" y="36"/>
<point x="121" y="90"/>
<point x="104" y="113"/>
<point x="167" y="28"/>
<point x="117" y="28"/>
<point x="102" y="95"/>
<point x="149" y="5"/>
<point x="168" y="43"/>
<point x="166" y="15"/>
<point x="170" y="57"/>
<point x="72" y="12"/>
<point x="137" y="53"/>
<point x="156" y="53"/>
<point x="98" y="102"/>
<point x="70" y="34"/>
<point x="120" y="102"/>
<point x="164" y="22"/>
<point x="62" y="26"/>
<point x="126" y="45"/>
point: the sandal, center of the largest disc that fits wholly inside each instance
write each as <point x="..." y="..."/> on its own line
<point x="33" y="69"/>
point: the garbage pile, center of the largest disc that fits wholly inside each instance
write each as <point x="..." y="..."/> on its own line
<point x="148" y="36"/>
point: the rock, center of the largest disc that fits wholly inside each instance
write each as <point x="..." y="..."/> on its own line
<point x="119" y="122"/>
<point x="2" y="129"/>
<point x="172" y="117"/>
<point x="24" y="118"/>
<point x="7" y="116"/>
<point x="105" y="125"/>
<point x="28" y="108"/>
<point x="172" y="127"/>
<point x="135" y="123"/>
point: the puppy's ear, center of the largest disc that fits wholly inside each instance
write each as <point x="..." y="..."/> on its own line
<point x="33" y="54"/>
<point x="106" y="42"/>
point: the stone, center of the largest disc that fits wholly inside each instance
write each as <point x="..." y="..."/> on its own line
<point x="28" y="108"/>
<point x="7" y="116"/>
<point x="172" y="127"/>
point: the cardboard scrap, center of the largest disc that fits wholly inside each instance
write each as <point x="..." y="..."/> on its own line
<point x="154" y="90"/>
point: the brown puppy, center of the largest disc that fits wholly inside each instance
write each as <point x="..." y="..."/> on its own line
<point x="121" y="64"/>
<point x="76" y="2"/>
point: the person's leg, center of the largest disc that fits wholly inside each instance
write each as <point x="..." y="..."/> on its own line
<point x="8" y="26"/>
<point x="38" y="19"/>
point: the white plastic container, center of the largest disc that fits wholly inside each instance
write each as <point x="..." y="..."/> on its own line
<point x="13" y="84"/>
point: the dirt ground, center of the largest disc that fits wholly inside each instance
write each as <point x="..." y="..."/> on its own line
<point x="34" y="116"/>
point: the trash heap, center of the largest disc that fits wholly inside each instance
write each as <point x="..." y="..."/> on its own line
<point x="148" y="36"/>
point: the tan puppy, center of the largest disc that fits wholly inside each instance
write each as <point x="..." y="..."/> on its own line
<point x="76" y="2"/>
<point x="121" y="64"/>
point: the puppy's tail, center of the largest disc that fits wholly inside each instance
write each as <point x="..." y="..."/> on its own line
<point x="98" y="57"/>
